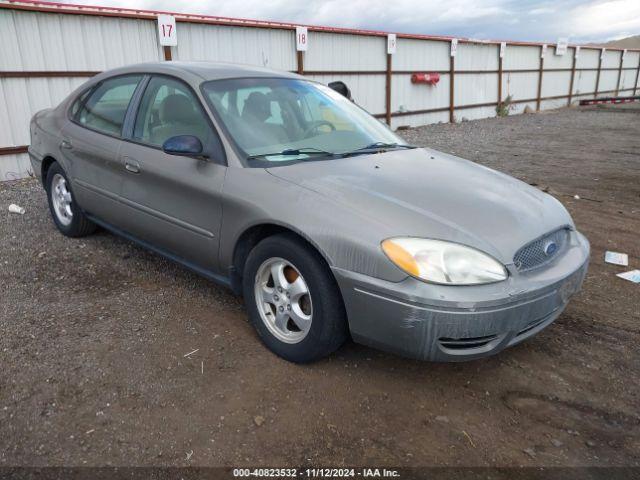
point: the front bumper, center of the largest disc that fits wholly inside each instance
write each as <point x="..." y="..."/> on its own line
<point x="456" y="323"/>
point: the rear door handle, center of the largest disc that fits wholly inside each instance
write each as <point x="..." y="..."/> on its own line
<point x="132" y="166"/>
<point x="66" y="144"/>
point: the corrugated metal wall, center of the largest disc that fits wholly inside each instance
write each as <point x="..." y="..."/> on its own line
<point x="585" y="80"/>
<point x="629" y="77"/>
<point x="332" y="51"/>
<point x="45" y="55"/>
<point x="267" y="48"/>
<point x="38" y="41"/>
<point x="41" y="42"/>
<point x="521" y="79"/>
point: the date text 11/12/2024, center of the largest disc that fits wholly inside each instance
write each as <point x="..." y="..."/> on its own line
<point x="316" y="472"/>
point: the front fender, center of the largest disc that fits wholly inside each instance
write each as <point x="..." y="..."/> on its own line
<point x="345" y="239"/>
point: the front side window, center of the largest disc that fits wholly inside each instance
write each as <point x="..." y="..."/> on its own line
<point x="105" y="108"/>
<point x="169" y="108"/>
<point x="271" y="118"/>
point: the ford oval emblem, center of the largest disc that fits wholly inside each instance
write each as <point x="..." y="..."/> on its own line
<point x="550" y="248"/>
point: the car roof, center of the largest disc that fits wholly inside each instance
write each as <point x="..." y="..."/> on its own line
<point x="197" y="72"/>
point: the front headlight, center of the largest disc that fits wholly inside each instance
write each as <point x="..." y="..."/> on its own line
<point x="443" y="262"/>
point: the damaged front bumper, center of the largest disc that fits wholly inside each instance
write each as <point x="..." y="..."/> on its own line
<point x="456" y="323"/>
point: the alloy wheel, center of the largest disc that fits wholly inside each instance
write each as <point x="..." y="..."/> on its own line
<point x="283" y="300"/>
<point x="61" y="198"/>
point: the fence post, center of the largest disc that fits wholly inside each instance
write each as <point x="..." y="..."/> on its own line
<point x="451" y="89"/>
<point x="635" y="85"/>
<point x="619" y="72"/>
<point x="500" y="52"/>
<point x="598" y="74"/>
<point x="573" y="74"/>
<point x="300" y="62"/>
<point x="540" y="70"/>
<point x="387" y="93"/>
<point x="452" y="66"/>
<point x="167" y="53"/>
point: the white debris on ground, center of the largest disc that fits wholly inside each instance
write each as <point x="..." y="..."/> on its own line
<point x="616" y="258"/>
<point x="13" y="208"/>
<point x="632" y="276"/>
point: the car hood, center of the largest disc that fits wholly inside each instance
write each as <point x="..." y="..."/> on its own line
<point x="425" y="193"/>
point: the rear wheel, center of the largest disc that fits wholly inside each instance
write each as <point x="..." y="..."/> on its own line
<point x="293" y="300"/>
<point x="66" y="214"/>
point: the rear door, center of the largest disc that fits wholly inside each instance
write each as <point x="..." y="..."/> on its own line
<point x="173" y="202"/>
<point x="91" y="144"/>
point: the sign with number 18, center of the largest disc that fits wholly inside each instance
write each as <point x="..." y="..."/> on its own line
<point x="302" y="39"/>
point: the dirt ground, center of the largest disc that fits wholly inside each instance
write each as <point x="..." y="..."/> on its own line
<point x="95" y="332"/>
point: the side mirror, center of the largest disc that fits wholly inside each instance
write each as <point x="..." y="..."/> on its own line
<point x="185" y="145"/>
<point x="341" y="88"/>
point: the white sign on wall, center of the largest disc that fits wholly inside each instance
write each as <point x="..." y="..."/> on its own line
<point x="167" y="30"/>
<point x="561" y="46"/>
<point x="503" y="47"/>
<point x="454" y="46"/>
<point x="577" y="52"/>
<point x="543" y="50"/>
<point x="602" y="53"/>
<point x="302" y="39"/>
<point x="624" y="53"/>
<point x="391" y="43"/>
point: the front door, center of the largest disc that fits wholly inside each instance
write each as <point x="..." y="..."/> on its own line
<point x="174" y="202"/>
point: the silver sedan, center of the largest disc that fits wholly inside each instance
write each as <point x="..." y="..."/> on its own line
<point x="320" y="216"/>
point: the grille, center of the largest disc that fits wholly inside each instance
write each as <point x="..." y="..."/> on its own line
<point x="537" y="253"/>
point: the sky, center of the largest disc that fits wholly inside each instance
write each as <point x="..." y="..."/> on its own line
<point x="583" y="21"/>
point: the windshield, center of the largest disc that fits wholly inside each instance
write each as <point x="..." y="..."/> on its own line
<point x="275" y="120"/>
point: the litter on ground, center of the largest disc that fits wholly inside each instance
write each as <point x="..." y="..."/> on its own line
<point x="13" y="208"/>
<point x="616" y="258"/>
<point x="632" y="276"/>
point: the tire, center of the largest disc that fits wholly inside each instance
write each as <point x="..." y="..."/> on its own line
<point x="66" y="214"/>
<point x="328" y="322"/>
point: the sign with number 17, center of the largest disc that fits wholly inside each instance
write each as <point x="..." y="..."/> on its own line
<point x="167" y="30"/>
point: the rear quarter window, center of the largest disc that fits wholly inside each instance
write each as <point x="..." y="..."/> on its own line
<point x="105" y="107"/>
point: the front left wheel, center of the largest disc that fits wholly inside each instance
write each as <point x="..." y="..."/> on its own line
<point x="66" y="214"/>
<point x="293" y="300"/>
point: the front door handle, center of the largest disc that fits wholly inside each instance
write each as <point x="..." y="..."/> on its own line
<point x="66" y="144"/>
<point x="132" y="166"/>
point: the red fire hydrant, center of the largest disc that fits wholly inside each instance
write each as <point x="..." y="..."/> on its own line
<point x="427" y="78"/>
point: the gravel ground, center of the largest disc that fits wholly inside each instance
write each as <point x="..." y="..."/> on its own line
<point x="95" y="333"/>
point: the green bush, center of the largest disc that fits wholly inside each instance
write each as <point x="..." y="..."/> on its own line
<point x="502" y="110"/>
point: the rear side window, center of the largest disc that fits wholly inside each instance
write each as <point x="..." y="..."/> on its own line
<point x="79" y="102"/>
<point x="105" y="108"/>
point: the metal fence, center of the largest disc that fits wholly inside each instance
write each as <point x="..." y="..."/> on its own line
<point x="49" y="49"/>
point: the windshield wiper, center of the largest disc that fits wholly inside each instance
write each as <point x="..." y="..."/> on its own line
<point x="372" y="148"/>
<point x="377" y="147"/>
<point x="293" y="152"/>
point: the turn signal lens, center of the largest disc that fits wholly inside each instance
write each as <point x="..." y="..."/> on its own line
<point x="401" y="257"/>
